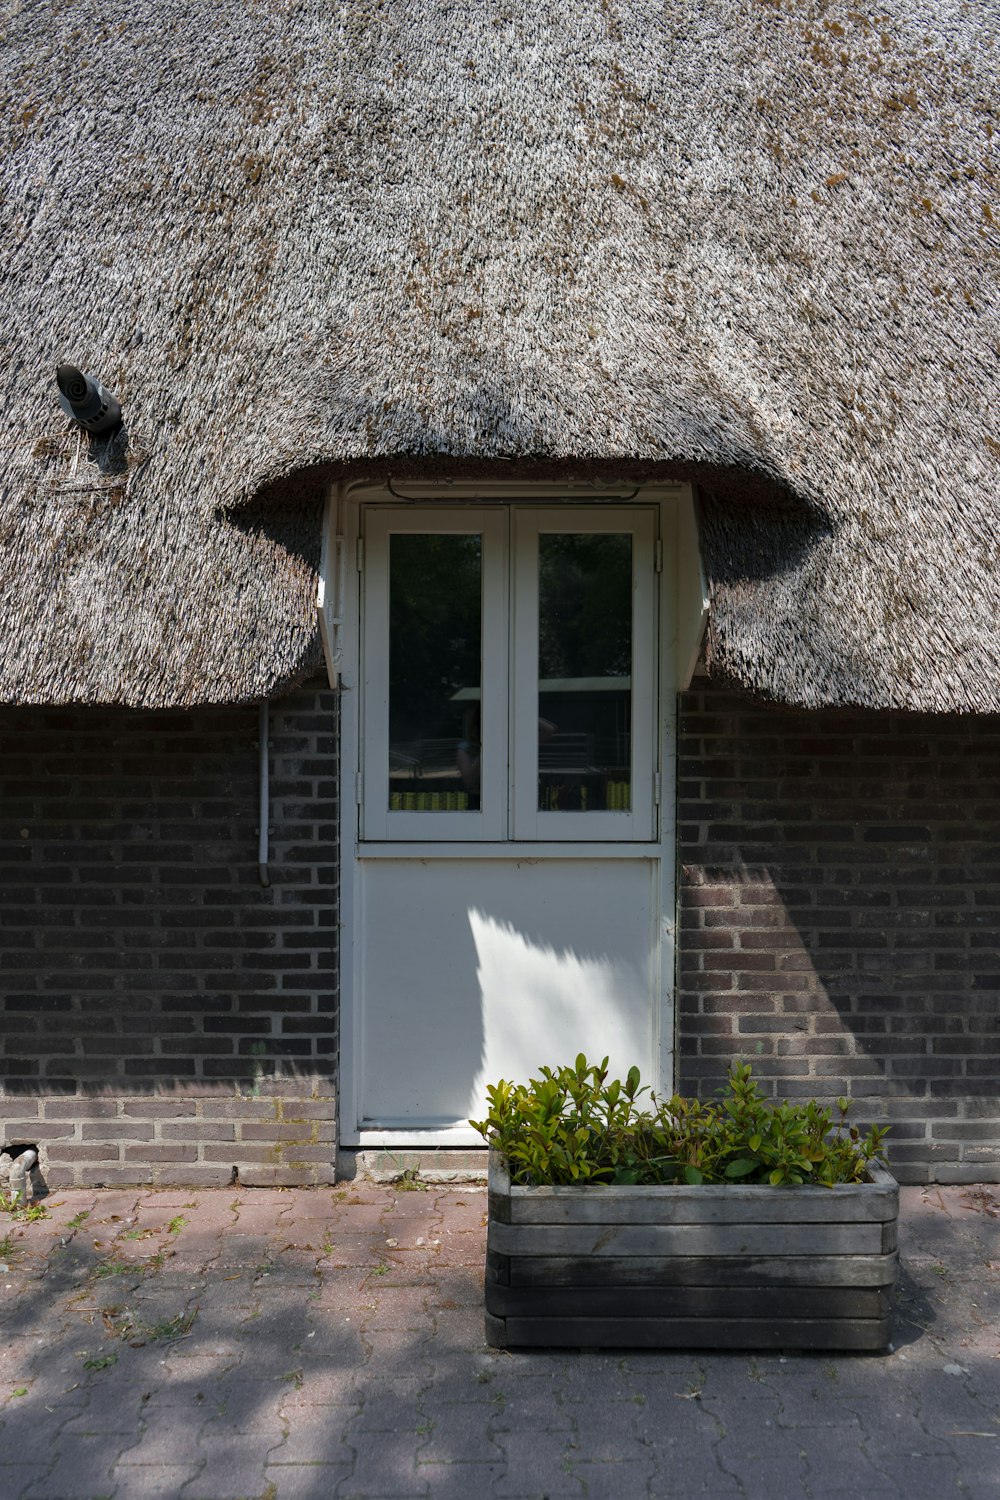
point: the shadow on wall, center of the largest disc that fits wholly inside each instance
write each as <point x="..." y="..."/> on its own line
<point x="841" y="885"/>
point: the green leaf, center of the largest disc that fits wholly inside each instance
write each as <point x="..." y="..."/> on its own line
<point x="742" y="1166"/>
<point x="693" y="1177"/>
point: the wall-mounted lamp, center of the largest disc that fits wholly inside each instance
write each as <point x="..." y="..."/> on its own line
<point x="84" y="398"/>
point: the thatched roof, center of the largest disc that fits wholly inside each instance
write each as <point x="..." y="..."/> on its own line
<point x="754" y="242"/>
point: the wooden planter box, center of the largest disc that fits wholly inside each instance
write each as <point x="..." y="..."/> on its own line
<point x="691" y="1267"/>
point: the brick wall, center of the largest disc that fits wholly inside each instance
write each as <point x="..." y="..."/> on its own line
<point x="840" y="910"/>
<point x="164" y="1018"/>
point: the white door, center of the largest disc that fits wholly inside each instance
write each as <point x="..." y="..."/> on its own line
<point x="509" y="891"/>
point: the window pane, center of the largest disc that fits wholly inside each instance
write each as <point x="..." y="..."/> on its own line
<point x="585" y="672"/>
<point x="435" y="672"/>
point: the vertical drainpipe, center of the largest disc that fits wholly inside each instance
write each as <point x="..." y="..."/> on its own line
<point x="264" y="809"/>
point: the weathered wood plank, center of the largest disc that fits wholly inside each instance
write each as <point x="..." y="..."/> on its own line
<point x="874" y="1202"/>
<point x="608" y="1208"/>
<point x="496" y="1332"/>
<point x="722" y="1270"/>
<point x="498" y="1188"/>
<point x="694" y="1333"/>
<point x="497" y="1268"/>
<point x="685" y="1239"/>
<point x="773" y="1302"/>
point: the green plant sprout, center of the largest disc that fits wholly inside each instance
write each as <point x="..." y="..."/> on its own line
<point x="23" y="1213"/>
<point x="573" y="1125"/>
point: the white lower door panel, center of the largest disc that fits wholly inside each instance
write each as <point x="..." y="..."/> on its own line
<point x="469" y="970"/>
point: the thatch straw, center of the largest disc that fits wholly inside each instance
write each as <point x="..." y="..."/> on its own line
<point x="758" y="237"/>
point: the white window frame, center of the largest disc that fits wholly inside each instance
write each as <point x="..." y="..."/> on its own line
<point x="529" y="822"/>
<point x="508" y="811"/>
<point x="380" y="822"/>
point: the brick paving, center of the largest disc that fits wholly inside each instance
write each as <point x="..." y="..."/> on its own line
<point x="327" y="1344"/>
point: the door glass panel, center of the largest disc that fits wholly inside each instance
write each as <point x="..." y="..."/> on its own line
<point x="585" y="672"/>
<point x="435" y="672"/>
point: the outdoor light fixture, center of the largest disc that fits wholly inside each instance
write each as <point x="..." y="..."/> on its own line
<point x="84" y="398"/>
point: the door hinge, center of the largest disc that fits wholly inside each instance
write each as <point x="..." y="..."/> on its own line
<point x="658" y="555"/>
<point x="359" y="787"/>
<point x="361" y="554"/>
<point x="656" y="788"/>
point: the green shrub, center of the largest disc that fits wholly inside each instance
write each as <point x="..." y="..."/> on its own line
<point x="571" y="1125"/>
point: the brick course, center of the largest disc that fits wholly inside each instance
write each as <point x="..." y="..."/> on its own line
<point x="164" y="1017"/>
<point x="839" y="884"/>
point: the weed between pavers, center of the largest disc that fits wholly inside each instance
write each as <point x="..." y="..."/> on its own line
<point x="100" y="1362"/>
<point x="122" y="1323"/>
<point x="409" y="1181"/>
<point x="27" y="1213"/>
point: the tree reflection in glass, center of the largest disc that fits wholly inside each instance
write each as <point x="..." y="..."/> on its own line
<point x="585" y="672"/>
<point x="435" y="672"/>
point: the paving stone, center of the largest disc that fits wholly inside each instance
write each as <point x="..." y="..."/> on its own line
<point x="606" y="1434"/>
<point x="386" y="1469"/>
<point x="107" y="1414"/>
<point x="403" y="1308"/>
<point x="817" y="1489"/>
<point x="456" y="1432"/>
<point x="537" y="1463"/>
<point x="388" y="1407"/>
<point x="614" y="1481"/>
<point x="841" y="1451"/>
<point x="152" y="1481"/>
<point x="305" y="1481"/>
<point x="526" y="1413"/>
<point x="318" y="1434"/>
<point x="683" y="1470"/>
<point x="463" y="1481"/>
<point x="28" y="1443"/>
<point x="243" y="1406"/>
<point x="917" y="1472"/>
<point x="234" y="1466"/>
<point x="392" y="1348"/>
<point x="81" y="1471"/>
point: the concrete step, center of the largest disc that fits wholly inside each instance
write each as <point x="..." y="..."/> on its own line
<point x="395" y="1164"/>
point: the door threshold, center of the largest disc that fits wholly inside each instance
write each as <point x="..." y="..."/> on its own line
<point x="438" y="1164"/>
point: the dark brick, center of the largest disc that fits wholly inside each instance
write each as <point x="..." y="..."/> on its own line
<point x="865" y="863"/>
<point x="140" y="936"/>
